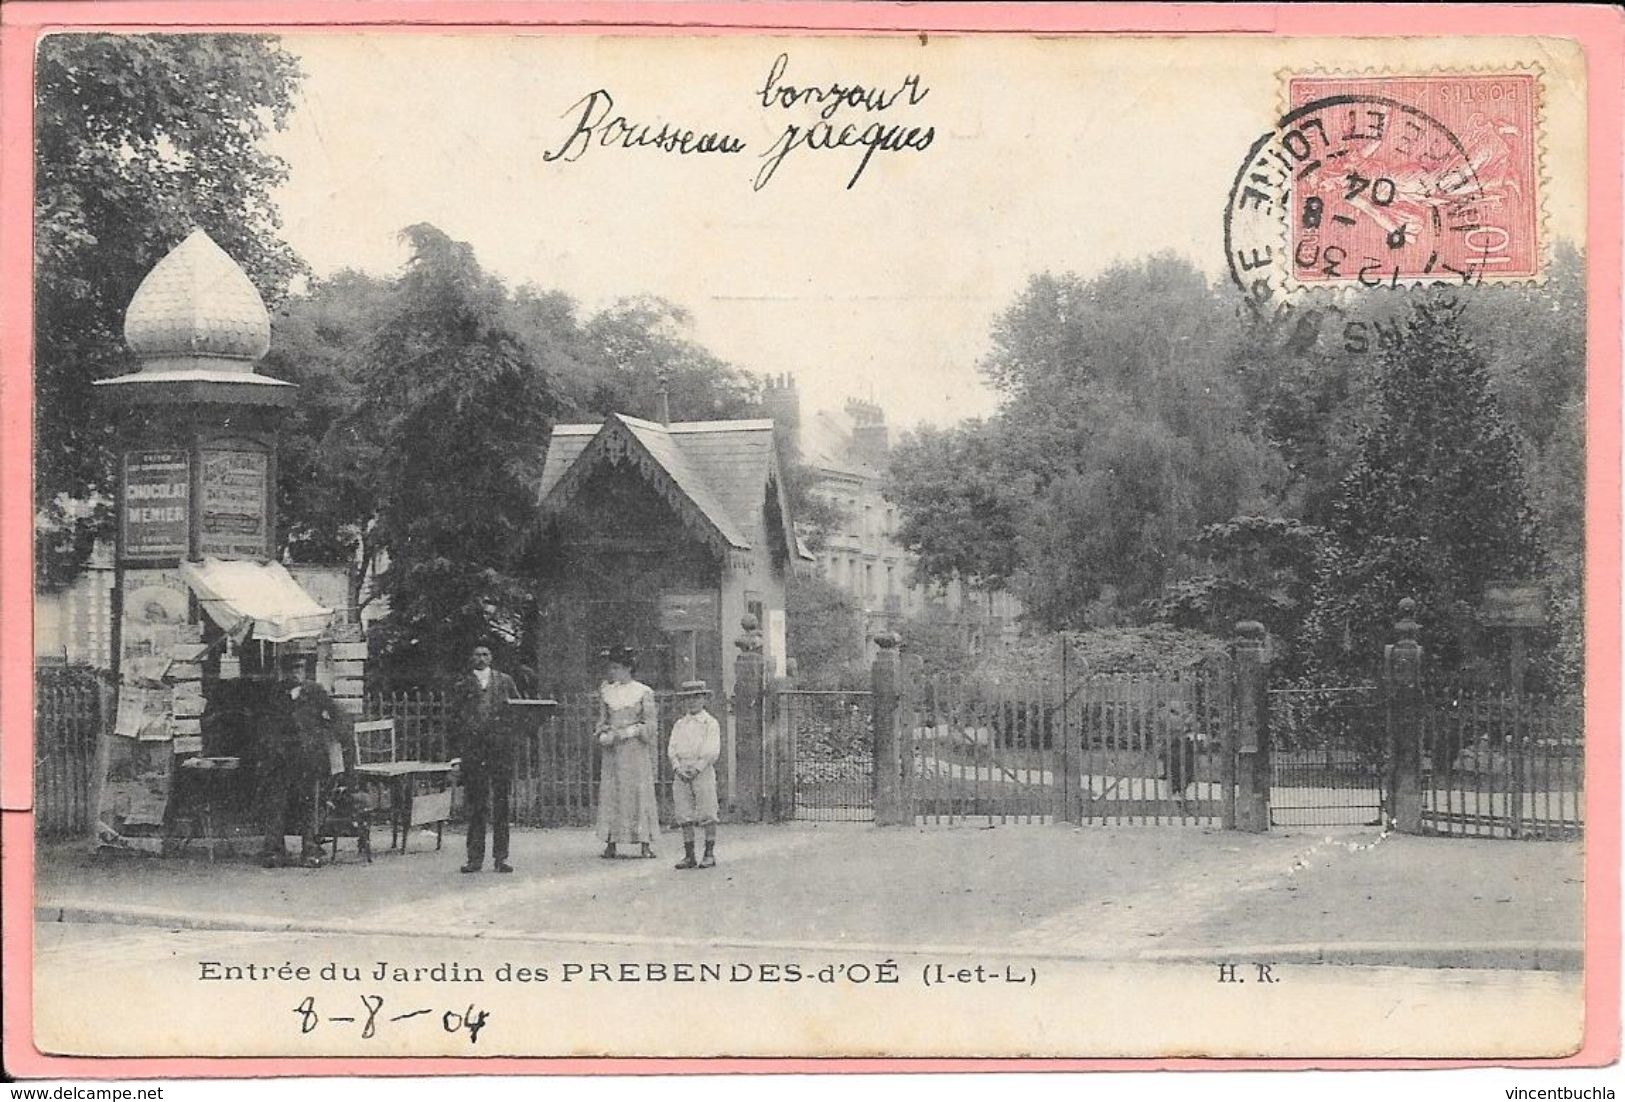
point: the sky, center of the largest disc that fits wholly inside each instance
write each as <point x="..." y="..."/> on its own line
<point x="1045" y="155"/>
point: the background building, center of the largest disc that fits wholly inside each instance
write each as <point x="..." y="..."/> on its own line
<point x="662" y="536"/>
<point x="74" y="625"/>
<point x="847" y="451"/>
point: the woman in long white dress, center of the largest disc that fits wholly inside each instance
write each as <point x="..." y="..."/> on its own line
<point x="629" y="733"/>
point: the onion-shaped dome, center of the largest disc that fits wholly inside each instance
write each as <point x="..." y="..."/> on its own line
<point x="197" y="304"/>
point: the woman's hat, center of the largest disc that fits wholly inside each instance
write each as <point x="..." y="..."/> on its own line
<point x="693" y="688"/>
<point x="620" y="656"/>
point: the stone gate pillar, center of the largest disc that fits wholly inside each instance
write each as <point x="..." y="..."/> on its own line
<point x="778" y="797"/>
<point x="883" y="682"/>
<point x="1252" y="729"/>
<point x="1402" y="685"/>
<point x="749" y="727"/>
<point x="910" y="696"/>
<point x="1074" y="789"/>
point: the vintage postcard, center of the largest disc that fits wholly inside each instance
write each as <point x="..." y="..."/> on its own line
<point x="861" y="532"/>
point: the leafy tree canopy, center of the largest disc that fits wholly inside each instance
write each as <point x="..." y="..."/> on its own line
<point x="1432" y="508"/>
<point x="455" y="406"/>
<point x="1111" y="650"/>
<point x="139" y="139"/>
<point x="424" y="411"/>
<point x="611" y="362"/>
<point x="328" y="458"/>
<point x="825" y="626"/>
<point x="1121" y="432"/>
<point x="1253" y="568"/>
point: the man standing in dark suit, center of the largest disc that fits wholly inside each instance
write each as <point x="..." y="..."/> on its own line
<point x="299" y="723"/>
<point x="482" y="729"/>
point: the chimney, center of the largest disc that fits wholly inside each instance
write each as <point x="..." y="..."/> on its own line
<point x="871" y="439"/>
<point x="663" y="405"/>
<point x="783" y="402"/>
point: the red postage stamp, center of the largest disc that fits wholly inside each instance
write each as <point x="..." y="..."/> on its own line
<point x="1398" y="178"/>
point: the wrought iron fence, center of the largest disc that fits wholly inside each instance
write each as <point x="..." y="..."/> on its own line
<point x="555" y="778"/>
<point x="421" y="722"/>
<point x="69" y="717"/>
<point x="557" y="764"/>
<point x="1493" y="763"/>
<point x="1124" y="749"/>
<point x="1502" y="765"/>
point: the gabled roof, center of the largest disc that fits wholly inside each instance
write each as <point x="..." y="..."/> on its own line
<point x="716" y="473"/>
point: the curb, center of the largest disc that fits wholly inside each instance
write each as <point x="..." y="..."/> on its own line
<point x="1520" y="956"/>
<point x="1528" y="956"/>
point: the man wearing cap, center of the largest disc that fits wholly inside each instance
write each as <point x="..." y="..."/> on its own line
<point x="299" y="721"/>
<point x="696" y="743"/>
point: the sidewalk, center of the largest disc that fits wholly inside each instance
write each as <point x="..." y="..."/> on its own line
<point x="1344" y="896"/>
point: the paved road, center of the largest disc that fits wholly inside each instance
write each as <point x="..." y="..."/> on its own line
<point x="125" y="990"/>
<point x="1097" y="892"/>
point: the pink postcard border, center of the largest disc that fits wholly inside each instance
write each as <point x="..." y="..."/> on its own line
<point x="1599" y="30"/>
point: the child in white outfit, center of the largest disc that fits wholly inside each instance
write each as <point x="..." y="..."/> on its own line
<point x="696" y="743"/>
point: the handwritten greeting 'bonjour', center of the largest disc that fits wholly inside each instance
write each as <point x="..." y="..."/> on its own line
<point x="596" y="123"/>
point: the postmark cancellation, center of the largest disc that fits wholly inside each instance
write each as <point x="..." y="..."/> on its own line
<point x="1391" y="180"/>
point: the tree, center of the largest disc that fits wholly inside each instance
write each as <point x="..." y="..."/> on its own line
<point x="623" y="351"/>
<point x="960" y="507"/>
<point x="1307" y="387"/>
<point x="333" y="465"/>
<point x="1536" y="342"/>
<point x="458" y="410"/>
<point x="138" y="140"/>
<point x="1432" y="508"/>
<point x="1534" y="346"/>
<point x="327" y="460"/>
<point x="825" y="626"/>
<point x="1310" y="381"/>
<point x="1255" y="568"/>
<point x="1312" y="385"/>
<point x="941" y="646"/>
<point x="1120" y="434"/>
<point x="816" y="514"/>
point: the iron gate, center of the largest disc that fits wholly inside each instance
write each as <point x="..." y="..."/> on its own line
<point x="1153" y="746"/>
<point x="978" y="750"/>
<point x="1121" y="749"/>
<point x="1328" y="756"/>
<point x="832" y="762"/>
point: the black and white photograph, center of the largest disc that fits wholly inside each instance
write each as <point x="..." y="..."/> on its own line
<point x="798" y="545"/>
